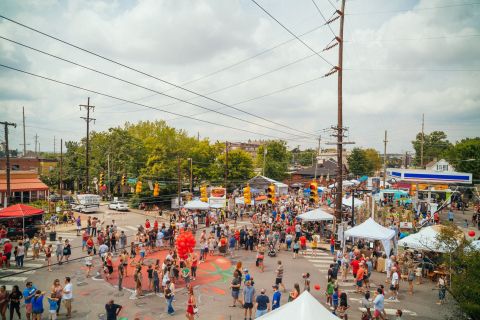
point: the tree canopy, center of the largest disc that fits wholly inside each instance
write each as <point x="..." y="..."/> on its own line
<point x="361" y="162"/>
<point x="434" y="146"/>
<point x="276" y="160"/>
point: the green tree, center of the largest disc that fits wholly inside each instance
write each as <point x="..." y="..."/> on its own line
<point x="434" y="146"/>
<point x="465" y="156"/>
<point x="276" y="160"/>
<point x="240" y="165"/>
<point x="374" y="159"/>
<point x="358" y="163"/>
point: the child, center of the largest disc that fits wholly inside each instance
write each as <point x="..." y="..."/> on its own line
<point x="53" y="305"/>
<point x="330" y="291"/>
<point x="314" y="245"/>
<point x="150" y="277"/>
<point x="133" y="252"/>
<point x="335" y="298"/>
<point x="142" y="252"/>
<point x="306" y="277"/>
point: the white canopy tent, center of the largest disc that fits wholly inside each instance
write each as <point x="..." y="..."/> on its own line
<point x="371" y="230"/>
<point x="196" y="205"/>
<point x="305" y="307"/>
<point x="315" y="215"/>
<point x="425" y="239"/>
<point x="348" y="202"/>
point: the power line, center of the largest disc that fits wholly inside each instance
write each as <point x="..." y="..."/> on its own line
<point x="136" y="103"/>
<point x="413" y="39"/>
<point x="325" y="19"/>
<point x="415" y="9"/>
<point x="149" y="75"/>
<point x="293" y="34"/>
<point x="145" y="88"/>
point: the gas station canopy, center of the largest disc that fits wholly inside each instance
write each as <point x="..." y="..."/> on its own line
<point x="425" y="176"/>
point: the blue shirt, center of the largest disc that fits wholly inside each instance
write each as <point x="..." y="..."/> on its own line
<point x="28" y="292"/>
<point x="232" y="242"/>
<point x="378" y="302"/>
<point x="450" y="215"/>
<point x="335" y="298"/>
<point x="53" y="304"/>
<point x="248" y="293"/>
<point x="276" y="300"/>
<point x="37" y="304"/>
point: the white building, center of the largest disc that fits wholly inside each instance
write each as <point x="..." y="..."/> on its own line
<point x="441" y="165"/>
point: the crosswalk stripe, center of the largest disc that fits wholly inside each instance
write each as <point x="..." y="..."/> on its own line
<point x="321" y="265"/>
<point x="14" y="279"/>
<point x="131" y="228"/>
<point x="323" y="270"/>
<point x="15" y="270"/>
<point x="393" y="311"/>
<point x="33" y="265"/>
<point x="320" y="259"/>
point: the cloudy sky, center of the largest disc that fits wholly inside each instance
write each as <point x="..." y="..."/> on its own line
<point x="402" y="58"/>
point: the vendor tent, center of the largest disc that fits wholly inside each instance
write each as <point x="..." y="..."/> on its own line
<point x="196" y="205"/>
<point x="19" y="211"/>
<point x="315" y="215"/>
<point x="371" y="230"/>
<point x="260" y="182"/>
<point x="426" y="239"/>
<point x="348" y="202"/>
<point x="476" y="245"/>
<point x="305" y="307"/>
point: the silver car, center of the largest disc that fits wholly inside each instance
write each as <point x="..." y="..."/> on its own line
<point x="118" y="205"/>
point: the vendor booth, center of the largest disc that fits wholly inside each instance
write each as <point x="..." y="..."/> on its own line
<point x="196" y="205"/>
<point x="315" y="215"/>
<point x="371" y="230"/>
<point x="261" y="183"/>
<point x="347" y="202"/>
<point x="424" y="240"/>
<point x="305" y="307"/>
<point x="21" y="219"/>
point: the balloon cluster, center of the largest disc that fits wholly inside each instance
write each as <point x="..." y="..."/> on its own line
<point x="185" y="243"/>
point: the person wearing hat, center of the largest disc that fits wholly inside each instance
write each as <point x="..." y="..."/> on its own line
<point x="277" y="296"/>
<point x="262" y="304"/>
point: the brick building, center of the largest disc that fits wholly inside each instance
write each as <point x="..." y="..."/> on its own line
<point x="25" y="186"/>
<point x="41" y="166"/>
<point x="326" y="169"/>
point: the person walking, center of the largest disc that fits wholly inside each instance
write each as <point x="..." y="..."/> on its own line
<point x="121" y="274"/>
<point x="3" y="302"/>
<point x="15" y="298"/>
<point x="67" y="250"/>
<point x="442" y="288"/>
<point x="59" y="250"/>
<point x="28" y="294"/>
<point x="378" y="305"/>
<point x="277" y="296"/>
<point x="235" y="287"/>
<point x="68" y="296"/>
<point x="191" y="305"/>
<point x="169" y="295"/>
<point x="48" y="256"/>
<point x="343" y="307"/>
<point x="279" y="275"/>
<point x="262" y="304"/>
<point x="20" y="254"/>
<point x="248" y="298"/>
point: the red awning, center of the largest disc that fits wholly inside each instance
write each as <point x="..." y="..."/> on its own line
<point x="31" y="184"/>
<point x="19" y="210"/>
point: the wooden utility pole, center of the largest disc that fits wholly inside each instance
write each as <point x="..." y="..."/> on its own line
<point x="226" y="164"/>
<point x="7" y="154"/>
<point x="24" y="137"/>
<point x="36" y="144"/>
<point x="179" y="173"/>
<point x="422" y="141"/>
<point x="317" y="155"/>
<point x="385" y="159"/>
<point x="61" y="168"/>
<point x="87" y="150"/>
<point x="338" y="199"/>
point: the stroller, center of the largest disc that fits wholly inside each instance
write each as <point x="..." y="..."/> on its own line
<point x="272" y="251"/>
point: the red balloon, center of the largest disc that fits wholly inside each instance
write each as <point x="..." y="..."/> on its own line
<point x="317" y="287"/>
<point x="471" y="233"/>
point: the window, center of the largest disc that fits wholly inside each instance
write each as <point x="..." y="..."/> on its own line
<point x="442" y="167"/>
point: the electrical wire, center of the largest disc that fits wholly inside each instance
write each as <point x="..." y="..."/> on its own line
<point x="325" y="19"/>
<point x="293" y="34"/>
<point x="139" y="104"/>
<point x="415" y="9"/>
<point x="149" y="75"/>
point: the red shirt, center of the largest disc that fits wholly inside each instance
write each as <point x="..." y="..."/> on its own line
<point x="90" y="243"/>
<point x="3" y="234"/>
<point x="155" y="224"/>
<point x="7" y="248"/>
<point x="85" y="236"/>
<point x="355" y="266"/>
<point x="332" y="241"/>
<point x="303" y="240"/>
<point x="147" y="224"/>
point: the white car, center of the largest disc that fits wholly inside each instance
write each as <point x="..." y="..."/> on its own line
<point x="118" y="205"/>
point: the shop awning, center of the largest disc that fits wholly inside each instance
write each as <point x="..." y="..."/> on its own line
<point x="31" y="184"/>
<point x="19" y="210"/>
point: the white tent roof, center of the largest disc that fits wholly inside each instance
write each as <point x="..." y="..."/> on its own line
<point x="476" y="245"/>
<point x="425" y="239"/>
<point x="305" y="307"/>
<point x="315" y="215"/>
<point x="370" y="230"/>
<point x="196" y="205"/>
<point x="348" y="202"/>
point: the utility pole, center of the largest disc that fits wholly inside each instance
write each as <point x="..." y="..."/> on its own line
<point x="54" y="145"/>
<point x="338" y="199"/>
<point x="385" y="159"/>
<point x="422" y="141"/>
<point x="226" y="164"/>
<point x="87" y="150"/>
<point x="264" y="157"/>
<point x="24" y="138"/>
<point x="179" y="172"/>
<point x="36" y="143"/>
<point x="61" y="167"/>
<point x="316" y="157"/>
<point x="7" y="153"/>
<point x="108" y="174"/>
<point x="191" y="176"/>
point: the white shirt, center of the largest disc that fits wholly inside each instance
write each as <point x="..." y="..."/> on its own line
<point x="68" y="288"/>
<point x="394" y="279"/>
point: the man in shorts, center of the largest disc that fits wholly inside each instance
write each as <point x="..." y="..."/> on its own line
<point x="235" y="286"/>
<point x="28" y="294"/>
<point x="378" y="305"/>
<point x="279" y="275"/>
<point x="68" y="296"/>
<point x="248" y="298"/>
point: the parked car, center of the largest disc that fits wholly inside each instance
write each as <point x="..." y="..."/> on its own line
<point x="118" y="205"/>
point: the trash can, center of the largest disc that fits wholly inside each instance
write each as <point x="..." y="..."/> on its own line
<point x="53" y="236"/>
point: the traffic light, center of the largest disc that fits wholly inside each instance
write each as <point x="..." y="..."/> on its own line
<point x="124" y="180"/>
<point x="271" y="194"/>
<point x="203" y="194"/>
<point x="313" y="192"/>
<point x="138" y="187"/>
<point x="156" y="190"/>
<point x="100" y="181"/>
<point x="247" y="196"/>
